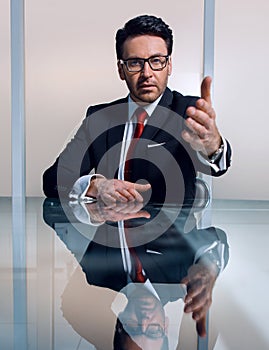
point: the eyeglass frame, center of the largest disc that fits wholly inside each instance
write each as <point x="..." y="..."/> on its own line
<point x="125" y="62"/>
<point x="129" y="330"/>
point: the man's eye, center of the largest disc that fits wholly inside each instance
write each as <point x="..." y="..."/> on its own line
<point x="156" y="60"/>
<point x="135" y="63"/>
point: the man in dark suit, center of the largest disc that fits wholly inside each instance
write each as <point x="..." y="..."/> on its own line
<point x="179" y="133"/>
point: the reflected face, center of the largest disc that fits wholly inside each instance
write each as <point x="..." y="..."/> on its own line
<point x="144" y="321"/>
<point x="147" y="85"/>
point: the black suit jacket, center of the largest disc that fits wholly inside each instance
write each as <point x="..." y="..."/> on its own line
<point x="161" y="157"/>
<point x="164" y="247"/>
<point x="165" y="259"/>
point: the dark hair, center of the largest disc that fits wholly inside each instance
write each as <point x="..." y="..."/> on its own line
<point x="144" y="25"/>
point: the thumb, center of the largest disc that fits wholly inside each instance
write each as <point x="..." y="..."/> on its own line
<point x="205" y="89"/>
<point x="142" y="214"/>
<point x="201" y="326"/>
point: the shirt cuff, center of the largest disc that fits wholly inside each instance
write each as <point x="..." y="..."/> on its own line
<point x="81" y="213"/>
<point x="81" y="187"/>
<point x="218" y="248"/>
<point x="78" y="199"/>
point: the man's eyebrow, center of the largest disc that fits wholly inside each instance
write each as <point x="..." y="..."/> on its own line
<point x="143" y="58"/>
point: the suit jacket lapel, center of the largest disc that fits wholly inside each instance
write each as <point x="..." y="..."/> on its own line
<point x="117" y="119"/>
<point x="159" y="117"/>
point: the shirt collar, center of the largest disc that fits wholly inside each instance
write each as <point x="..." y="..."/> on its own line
<point x="149" y="108"/>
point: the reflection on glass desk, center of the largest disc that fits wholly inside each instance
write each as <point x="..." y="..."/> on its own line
<point x="121" y="277"/>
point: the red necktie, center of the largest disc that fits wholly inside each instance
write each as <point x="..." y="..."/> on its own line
<point x="141" y="116"/>
<point x="137" y="268"/>
<point x="139" y="277"/>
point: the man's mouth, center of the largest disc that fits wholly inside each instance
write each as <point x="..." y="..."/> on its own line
<point x="146" y="86"/>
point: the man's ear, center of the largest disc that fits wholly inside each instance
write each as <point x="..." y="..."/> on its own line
<point x="166" y="325"/>
<point x="121" y="71"/>
<point x="169" y="64"/>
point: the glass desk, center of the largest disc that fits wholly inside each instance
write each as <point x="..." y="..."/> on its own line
<point x="67" y="284"/>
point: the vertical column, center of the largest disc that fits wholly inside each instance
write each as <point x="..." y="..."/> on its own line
<point x="17" y="97"/>
<point x="208" y="69"/>
<point x="209" y="37"/>
<point x="18" y="174"/>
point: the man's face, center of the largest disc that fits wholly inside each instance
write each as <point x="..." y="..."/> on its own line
<point x="145" y="86"/>
<point x="143" y="310"/>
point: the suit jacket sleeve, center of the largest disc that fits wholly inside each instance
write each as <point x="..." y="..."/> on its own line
<point x="73" y="162"/>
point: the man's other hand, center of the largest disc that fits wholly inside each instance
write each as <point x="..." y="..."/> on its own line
<point x="112" y="191"/>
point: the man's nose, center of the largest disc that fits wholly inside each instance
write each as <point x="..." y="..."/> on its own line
<point x="144" y="323"/>
<point x="146" y="71"/>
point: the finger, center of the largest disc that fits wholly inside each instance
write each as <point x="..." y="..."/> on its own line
<point x="120" y="196"/>
<point x="134" y="189"/>
<point x="136" y="195"/>
<point x="142" y="188"/>
<point x="206" y="107"/>
<point x="198" y="306"/>
<point x="189" y="136"/>
<point x="195" y="288"/>
<point x="194" y="140"/>
<point x="203" y="113"/>
<point x="140" y="214"/>
<point x="120" y="207"/>
<point x="144" y="214"/>
<point x="205" y="89"/>
<point x="128" y="195"/>
<point x="191" y="301"/>
<point x="196" y="127"/>
<point x="201" y="327"/>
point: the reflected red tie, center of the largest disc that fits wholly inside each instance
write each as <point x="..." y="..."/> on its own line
<point x="139" y="277"/>
<point x="141" y="116"/>
<point x="137" y="268"/>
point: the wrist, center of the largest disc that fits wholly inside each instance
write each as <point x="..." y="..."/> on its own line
<point x="215" y="156"/>
<point x="94" y="184"/>
<point x="212" y="261"/>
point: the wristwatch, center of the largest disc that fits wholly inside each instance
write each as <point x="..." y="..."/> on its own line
<point x="211" y="259"/>
<point x="216" y="155"/>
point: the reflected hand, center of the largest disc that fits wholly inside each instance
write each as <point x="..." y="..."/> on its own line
<point x="100" y="212"/>
<point x="202" y="133"/>
<point x="199" y="282"/>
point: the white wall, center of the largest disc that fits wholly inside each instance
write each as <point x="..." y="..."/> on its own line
<point x="5" y="111"/>
<point x="241" y="93"/>
<point x="70" y="64"/>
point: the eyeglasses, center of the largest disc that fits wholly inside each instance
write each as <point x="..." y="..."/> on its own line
<point x="153" y="330"/>
<point x="137" y="64"/>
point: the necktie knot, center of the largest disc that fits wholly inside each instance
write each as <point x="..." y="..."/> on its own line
<point x="141" y="115"/>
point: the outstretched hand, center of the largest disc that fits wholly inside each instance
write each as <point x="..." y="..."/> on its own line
<point x="202" y="133"/>
<point x="199" y="282"/>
